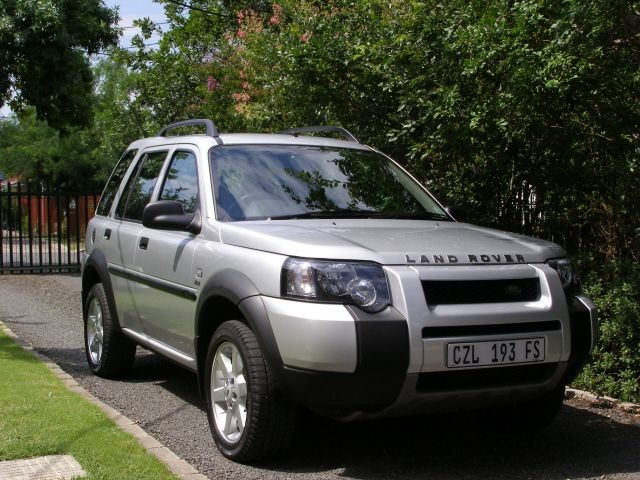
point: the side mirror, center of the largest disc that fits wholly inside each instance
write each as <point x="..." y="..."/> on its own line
<point x="169" y="215"/>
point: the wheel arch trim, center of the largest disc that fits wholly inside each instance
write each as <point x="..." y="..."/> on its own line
<point x="98" y="262"/>
<point x="239" y="290"/>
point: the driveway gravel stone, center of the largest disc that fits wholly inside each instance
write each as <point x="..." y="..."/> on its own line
<point x="588" y="441"/>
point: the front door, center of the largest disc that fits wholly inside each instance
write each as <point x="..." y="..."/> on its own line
<point x="165" y="290"/>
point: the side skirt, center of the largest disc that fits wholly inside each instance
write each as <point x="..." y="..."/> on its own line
<point x="168" y="352"/>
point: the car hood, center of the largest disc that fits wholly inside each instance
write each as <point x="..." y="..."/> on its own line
<point x="389" y="242"/>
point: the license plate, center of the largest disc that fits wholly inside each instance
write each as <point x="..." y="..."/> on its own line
<point x="499" y="352"/>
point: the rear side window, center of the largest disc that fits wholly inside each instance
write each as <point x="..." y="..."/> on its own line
<point x="140" y="187"/>
<point x="109" y="193"/>
<point x="181" y="182"/>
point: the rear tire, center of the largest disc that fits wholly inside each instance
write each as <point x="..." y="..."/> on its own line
<point x="109" y="352"/>
<point x="248" y="418"/>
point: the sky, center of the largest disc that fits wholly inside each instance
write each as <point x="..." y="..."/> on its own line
<point x="129" y="10"/>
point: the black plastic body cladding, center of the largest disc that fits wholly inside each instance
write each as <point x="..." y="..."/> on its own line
<point x="98" y="262"/>
<point x="383" y="358"/>
<point x="580" y="320"/>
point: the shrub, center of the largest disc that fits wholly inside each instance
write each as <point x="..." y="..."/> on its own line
<point x="614" y="369"/>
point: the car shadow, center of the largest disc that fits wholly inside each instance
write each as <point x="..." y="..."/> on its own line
<point x="462" y="445"/>
<point x="150" y="367"/>
<point x="580" y="443"/>
<point x="147" y="368"/>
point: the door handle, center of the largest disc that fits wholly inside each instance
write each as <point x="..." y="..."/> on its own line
<point x="107" y="233"/>
<point x="144" y="242"/>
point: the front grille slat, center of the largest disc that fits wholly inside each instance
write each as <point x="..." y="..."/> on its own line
<point x="485" y="378"/>
<point x="454" y="292"/>
<point x="490" y="329"/>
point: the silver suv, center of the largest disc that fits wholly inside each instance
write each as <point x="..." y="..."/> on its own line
<point x="301" y="271"/>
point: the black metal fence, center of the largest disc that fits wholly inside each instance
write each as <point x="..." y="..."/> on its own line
<point x="42" y="229"/>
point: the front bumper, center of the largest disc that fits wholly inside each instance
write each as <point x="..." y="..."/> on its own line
<point x="338" y="358"/>
<point x="343" y="361"/>
<point x="584" y="334"/>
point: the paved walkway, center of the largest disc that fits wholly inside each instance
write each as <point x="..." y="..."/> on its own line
<point x="52" y="467"/>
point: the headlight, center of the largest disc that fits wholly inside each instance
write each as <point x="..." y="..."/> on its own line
<point x="568" y="277"/>
<point x="361" y="284"/>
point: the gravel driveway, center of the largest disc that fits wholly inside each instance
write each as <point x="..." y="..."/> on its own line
<point x="585" y="442"/>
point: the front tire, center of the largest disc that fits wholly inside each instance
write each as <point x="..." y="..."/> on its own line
<point x="109" y="352"/>
<point x="248" y="419"/>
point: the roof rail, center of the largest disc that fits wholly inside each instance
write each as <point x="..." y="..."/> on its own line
<point x="331" y="129"/>
<point x="212" y="130"/>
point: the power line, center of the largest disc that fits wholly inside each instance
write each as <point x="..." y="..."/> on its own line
<point x="144" y="45"/>
<point x="109" y="54"/>
<point x="191" y="7"/>
<point x="135" y="26"/>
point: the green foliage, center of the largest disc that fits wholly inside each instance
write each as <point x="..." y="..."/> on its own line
<point x="172" y="81"/>
<point x="81" y="158"/>
<point x="43" y="56"/>
<point x="31" y="150"/>
<point x="118" y="117"/>
<point x="527" y="113"/>
<point x="615" y="367"/>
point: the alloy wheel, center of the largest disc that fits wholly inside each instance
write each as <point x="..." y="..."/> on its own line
<point x="229" y="392"/>
<point x="95" y="330"/>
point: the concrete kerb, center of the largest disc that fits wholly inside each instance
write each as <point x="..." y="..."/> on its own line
<point x="179" y="467"/>
<point x="602" y="402"/>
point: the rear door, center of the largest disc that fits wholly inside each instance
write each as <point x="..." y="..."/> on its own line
<point x="128" y="224"/>
<point x="104" y="237"/>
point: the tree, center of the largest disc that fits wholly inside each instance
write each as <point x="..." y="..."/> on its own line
<point x="119" y="118"/>
<point x="44" y="48"/>
<point x="82" y="158"/>
<point x="171" y="80"/>
<point x="527" y="113"/>
<point x="33" y="151"/>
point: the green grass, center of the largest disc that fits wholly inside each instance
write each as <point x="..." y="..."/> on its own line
<point x="40" y="416"/>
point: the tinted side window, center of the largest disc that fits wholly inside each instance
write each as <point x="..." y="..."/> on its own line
<point x="140" y="187"/>
<point x="114" y="182"/>
<point x="181" y="182"/>
<point x="122" y="203"/>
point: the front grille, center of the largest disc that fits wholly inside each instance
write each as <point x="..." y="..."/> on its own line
<point x="485" y="378"/>
<point x="453" y="292"/>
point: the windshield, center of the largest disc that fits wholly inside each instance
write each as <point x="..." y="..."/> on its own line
<point x="259" y="182"/>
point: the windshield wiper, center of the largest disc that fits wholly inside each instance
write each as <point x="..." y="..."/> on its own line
<point x="335" y="213"/>
<point x="355" y="213"/>
<point x="428" y="216"/>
